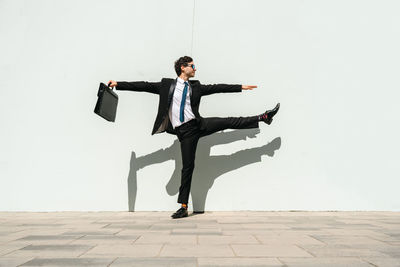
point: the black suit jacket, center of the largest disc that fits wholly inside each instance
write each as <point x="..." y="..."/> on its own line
<point x="165" y="89"/>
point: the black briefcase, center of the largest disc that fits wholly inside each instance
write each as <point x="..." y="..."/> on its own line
<point x="107" y="101"/>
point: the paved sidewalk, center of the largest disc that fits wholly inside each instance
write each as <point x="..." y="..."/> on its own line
<point x="209" y="239"/>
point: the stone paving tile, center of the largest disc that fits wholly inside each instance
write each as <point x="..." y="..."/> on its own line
<point x="275" y="250"/>
<point x="250" y="232"/>
<point x="8" y="248"/>
<point x="6" y="230"/>
<point x="280" y="220"/>
<point x="143" y="232"/>
<point x="293" y="239"/>
<point x="189" y="221"/>
<point x="325" y="262"/>
<point x="135" y="250"/>
<point x="366" y="233"/>
<point x="269" y="232"/>
<point x="88" y="227"/>
<point x="41" y="225"/>
<point x="354" y="232"/>
<point x="127" y="226"/>
<point x="347" y="239"/>
<point x="310" y="228"/>
<point x="196" y="251"/>
<point x="154" y="262"/>
<point x="208" y="226"/>
<point x="243" y="220"/>
<point x="314" y="224"/>
<point x="341" y="251"/>
<point x="387" y="225"/>
<point x="358" y="226"/>
<point x="48" y="237"/>
<point x="44" y="240"/>
<point x="10" y="262"/>
<point x="53" y="251"/>
<point x="382" y="262"/>
<point x="225" y="239"/>
<point x="231" y="227"/>
<point x="69" y="262"/>
<point x="104" y="239"/>
<point x="391" y="224"/>
<point x="392" y="233"/>
<point x="5" y="239"/>
<point x="208" y="262"/>
<point x="264" y="226"/>
<point x="38" y="231"/>
<point x="100" y="232"/>
<point x="354" y="221"/>
<point x="172" y="226"/>
<point x="117" y="221"/>
<point x="392" y="251"/>
<point x="196" y="232"/>
<point x="167" y="239"/>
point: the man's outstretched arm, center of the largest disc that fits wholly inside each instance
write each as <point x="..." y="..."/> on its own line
<point x="150" y="87"/>
<point x="224" y="88"/>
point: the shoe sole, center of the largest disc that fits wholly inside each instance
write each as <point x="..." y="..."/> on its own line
<point x="173" y="217"/>
<point x="179" y="217"/>
<point x="277" y="109"/>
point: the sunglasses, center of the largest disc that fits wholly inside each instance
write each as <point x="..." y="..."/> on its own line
<point x="192" y="66"/>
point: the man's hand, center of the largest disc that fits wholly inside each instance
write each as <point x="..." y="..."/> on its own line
<point x="113" y="83"/>
<point x="248" y="87"/>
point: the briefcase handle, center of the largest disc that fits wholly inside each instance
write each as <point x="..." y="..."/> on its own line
<point x="103" y="87"/>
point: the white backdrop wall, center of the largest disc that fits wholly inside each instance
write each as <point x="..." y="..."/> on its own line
<point x="333" y="66"/>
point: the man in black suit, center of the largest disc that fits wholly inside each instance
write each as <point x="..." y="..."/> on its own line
<point x="178" y="114"/>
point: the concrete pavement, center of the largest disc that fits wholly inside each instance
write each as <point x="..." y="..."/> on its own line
<point x="210" y="239"/>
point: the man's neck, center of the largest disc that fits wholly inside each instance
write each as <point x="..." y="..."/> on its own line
<point x="184" y="77"/>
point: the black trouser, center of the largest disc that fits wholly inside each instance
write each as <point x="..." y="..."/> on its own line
<point x="189" y="134"/>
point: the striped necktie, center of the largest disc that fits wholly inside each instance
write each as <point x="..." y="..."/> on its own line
<point x="181" y="116"/>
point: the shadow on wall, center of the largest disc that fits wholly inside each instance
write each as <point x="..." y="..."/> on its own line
<point x="208" y="168"/>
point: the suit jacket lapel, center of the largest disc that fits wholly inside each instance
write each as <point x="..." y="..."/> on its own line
<point x="190" y="92"/>
<point x="171" y="91"/>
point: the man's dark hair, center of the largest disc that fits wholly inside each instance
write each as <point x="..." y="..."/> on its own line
<point x="182" y="61"/>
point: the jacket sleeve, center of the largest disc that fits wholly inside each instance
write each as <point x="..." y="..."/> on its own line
<point x="208" y="89"/>
<point x="150" y="87"/>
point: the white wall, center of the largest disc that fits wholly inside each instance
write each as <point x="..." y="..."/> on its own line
<point x="333" y="66"/>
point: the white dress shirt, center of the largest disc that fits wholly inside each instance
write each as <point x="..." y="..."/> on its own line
<point x="175" y="107"/>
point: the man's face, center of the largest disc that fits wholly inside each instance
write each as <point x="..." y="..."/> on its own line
<point x="189" y="70"/>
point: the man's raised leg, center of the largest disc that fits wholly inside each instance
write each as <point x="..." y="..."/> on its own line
<point x="216" y="124"/>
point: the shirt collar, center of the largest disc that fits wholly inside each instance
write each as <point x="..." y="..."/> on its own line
<point x="181" y="80"/>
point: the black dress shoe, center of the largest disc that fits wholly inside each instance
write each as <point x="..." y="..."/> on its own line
<point x="269" y="114"/>
<point x="182" y="212"/>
